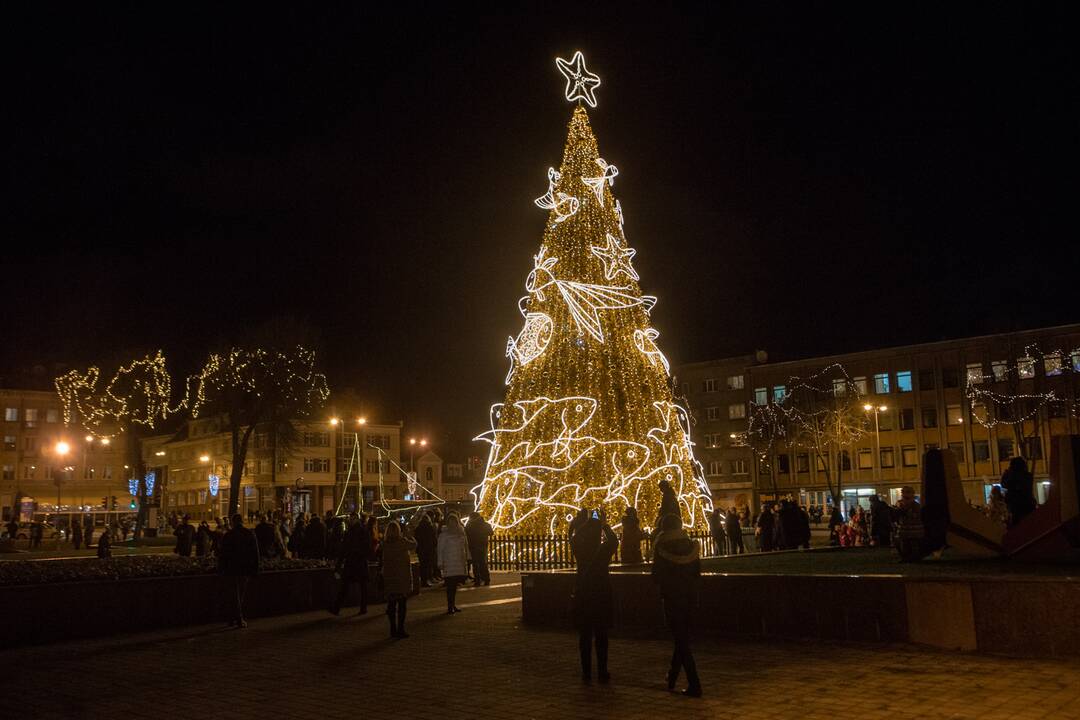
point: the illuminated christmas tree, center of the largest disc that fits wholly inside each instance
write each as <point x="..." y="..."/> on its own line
<point x="589" y="419"/>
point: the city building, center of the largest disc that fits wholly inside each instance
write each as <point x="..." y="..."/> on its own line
<point x="987" y="399"/>
<point x="48" y="466"/>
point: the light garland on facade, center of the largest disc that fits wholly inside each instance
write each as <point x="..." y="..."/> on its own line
<point x="586" y="424"/>
<point x="213" y="485"/>
<point x="1023" y="406"/>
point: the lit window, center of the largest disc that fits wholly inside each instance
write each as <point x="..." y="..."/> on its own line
<point x="52" y="415"/>
<point x="736" y="411"/>
<point x="711" y="385"/>
<point x="887" y="460"/>
<point x="761" y="396"/>
<point x="909" y="456"/>
<point x="1075" y="355"/>
<point x="11" y="414"/>
<point x="712" y="413"/>
<point x="1000" y="369"/>
<point x="1053" y="363"/>
<point x="903" y="381"/>
<point x="839" y="387"/>
<point x="779" y="392"/>
<point x="866" y="459"/>
<point x="860" y="384"/>
<point x="884" y="420"/>
<point x="736" y="382"/>
<point x="974" y="373"/>
<point x="954" y="415"/>
<point x="881" y="383"/>
<point x="1025" y="367"/>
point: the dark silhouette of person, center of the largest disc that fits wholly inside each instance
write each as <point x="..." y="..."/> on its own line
<point x="594" y="544"/>
<point x="630" y="548"/>
<point x="185" y="536"/>
<point x="104" y="544"/>
<point x="202" y="539"/>
<point x="935" y="503"/>
<point x="734" y="532"/>
<point x="239" y="559"/>
<point x="352" y="563"/>
<point x="880" y="522"/>
<point x="314" y="539"/>
<point x="426" y="544"/>
<point x="478" y="531"/>
<point x="397" y="576"/>
<point x="765" y="528"/>
<point x="296" y="538"/>
<point x="76" y="533"/>
<point x="836" y="524"/>
<point x="1018" y="484"/>
<point x="677" y="569"/>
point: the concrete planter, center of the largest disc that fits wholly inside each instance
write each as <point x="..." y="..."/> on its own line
<point x="1029" y="616"/>
<point x="31" y="614"/>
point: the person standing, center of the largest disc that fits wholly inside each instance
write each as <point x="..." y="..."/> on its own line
<point x="104" y="544"/>
<point x="453" y="557"/>
<point x="296" y="539"/>
<point x="239" y="559"/>
<point x="314" y="539"/>
<point x="677" y="569"/>
<point x="185" y="536"/>
<point x="202" y="539"/>
<point x="397" y="576"/>
<point x="630" y="550"/>
<point x="594" y="544"/>
<point x="478" y="531"/>
<point x="1018" y="484"/>
<point x="37" y="532"/>
<point x="669" y="502"/>
<point x="12" y="528"/>
<point x="764" y="529"/>
<point x="269" y="543"/>
<point x="352" y="563"/>
<point x="734" y="533"/>
<point x="76" y="533"/>
<point x="996" y="509"/>
<point x="88" y="532"/>
<point x="425" y="548"/>
<point x="880" y="522"/>
<point x="717" y="522"/>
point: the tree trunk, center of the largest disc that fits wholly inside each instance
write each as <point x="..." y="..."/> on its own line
<point x="135" y="464"/>
<point x="239" y="456"/>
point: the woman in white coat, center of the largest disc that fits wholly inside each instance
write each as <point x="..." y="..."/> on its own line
<point x="453" y="552"/>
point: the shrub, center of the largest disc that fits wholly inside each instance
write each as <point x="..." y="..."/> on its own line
<point x="37" y="572"/>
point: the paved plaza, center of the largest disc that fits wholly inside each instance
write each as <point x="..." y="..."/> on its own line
<point x="484" y="664"/>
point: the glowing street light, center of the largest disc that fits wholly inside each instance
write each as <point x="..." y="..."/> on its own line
<point x="361" y="421"/>
<point x="877" y="437"/>
<point x="62" y="448"/>
<point x="334" y="421"/>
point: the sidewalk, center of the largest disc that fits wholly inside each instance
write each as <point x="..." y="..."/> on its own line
<point x="484" y="664"/>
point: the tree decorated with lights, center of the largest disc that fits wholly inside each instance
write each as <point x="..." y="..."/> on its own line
<point x="589" y="419"/>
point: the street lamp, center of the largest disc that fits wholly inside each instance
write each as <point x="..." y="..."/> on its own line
<point x="61" y="449"/>
<point x="413" y="442"/>
<point x="877" y="439"/>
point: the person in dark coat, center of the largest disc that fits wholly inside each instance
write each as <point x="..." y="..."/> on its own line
<point x="354" y="552"/>
<point x="426" y="544"/>
<point x="718" y="530"/>
<point x="804" y="527"/>
<point x="104" y="544"/>
<point x="677" y="569"/>
<point x="296" y="538"/>
<point x="88" y="533"/>
<point x="185" y="536"/>
<point x="788" y="526"/>
<point x="37" y="532"/>
<point x="669" y="502"/>
<point x="631" y="537"/>
<point x="336" y="528"/>
<point x="397" y="577"/>
<point x="202" y="539"/>
<point x="880" y="522"/>
<point x="477" y="532"/>
<point x="935" y="503"/>
<point x="734" y="532"/>
<point x="266" y="534"/>
<point x="1018" y="484"/>
<point x="76" y="533"/>
<point x="765" y="529"/>
<point x="239" y="559"/>
<point x="594" y="545"/>
<point x="836" y="524"/>
<point x="314" y="539"/>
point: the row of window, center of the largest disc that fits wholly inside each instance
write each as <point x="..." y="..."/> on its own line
<point x="716" y="467"/>
<point x="734" y="382"/>
<point x="31" y="415"/>
<point x="47" y="472"/>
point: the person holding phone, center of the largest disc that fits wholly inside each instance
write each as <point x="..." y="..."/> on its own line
<point x="594" y="544"/>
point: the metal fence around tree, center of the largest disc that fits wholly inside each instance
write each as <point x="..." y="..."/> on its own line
<point x="547" y="552"/>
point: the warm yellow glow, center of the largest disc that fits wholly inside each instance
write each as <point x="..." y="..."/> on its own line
<point x="361" y="421"/>
<point x="89" y="438"/>
<point x="867" y="407"/>
<point x="412" y="441"/>
<point x="589" y="420"/>
<point x="204" y="458"/>
<point x="105" y="441"/>
<point x="334" y="421"/>
<point x="160" y="453"/>
<point x="62" y="448"/>
<point x="883" y="408"/>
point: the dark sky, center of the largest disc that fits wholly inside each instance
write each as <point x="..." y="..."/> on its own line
<point x="804" y="178"/>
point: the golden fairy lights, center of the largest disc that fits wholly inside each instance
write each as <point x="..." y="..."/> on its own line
<point x="589" y="419"/>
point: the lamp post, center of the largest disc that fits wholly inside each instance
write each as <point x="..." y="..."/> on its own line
<point x="61" y="449"/>
<point x="877" y="439"/>
<point x="413" y="442"/>
<point x="361" y="424"/>
<point x="205" y="459"/>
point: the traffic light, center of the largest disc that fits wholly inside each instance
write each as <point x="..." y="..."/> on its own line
<point x="132" y="504"/>
<point x="105" y="502"/>
<point x="113" y="506"/>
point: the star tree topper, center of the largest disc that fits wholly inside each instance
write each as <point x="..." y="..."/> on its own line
<point x="580" y="83"/>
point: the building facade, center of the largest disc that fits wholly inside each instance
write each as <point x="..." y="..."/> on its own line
<point x="987" y="399"/>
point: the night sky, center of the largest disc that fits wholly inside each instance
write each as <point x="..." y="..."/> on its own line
<point x="805" y="179"/>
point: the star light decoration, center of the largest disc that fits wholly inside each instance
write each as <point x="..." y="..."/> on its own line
<point x="580" y="83"/>
<point x="616" y="257"/>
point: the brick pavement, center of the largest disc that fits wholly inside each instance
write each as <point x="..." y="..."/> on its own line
<point x="484" y="664"/>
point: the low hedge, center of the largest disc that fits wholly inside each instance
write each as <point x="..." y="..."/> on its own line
<point x="41" y="572"/>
